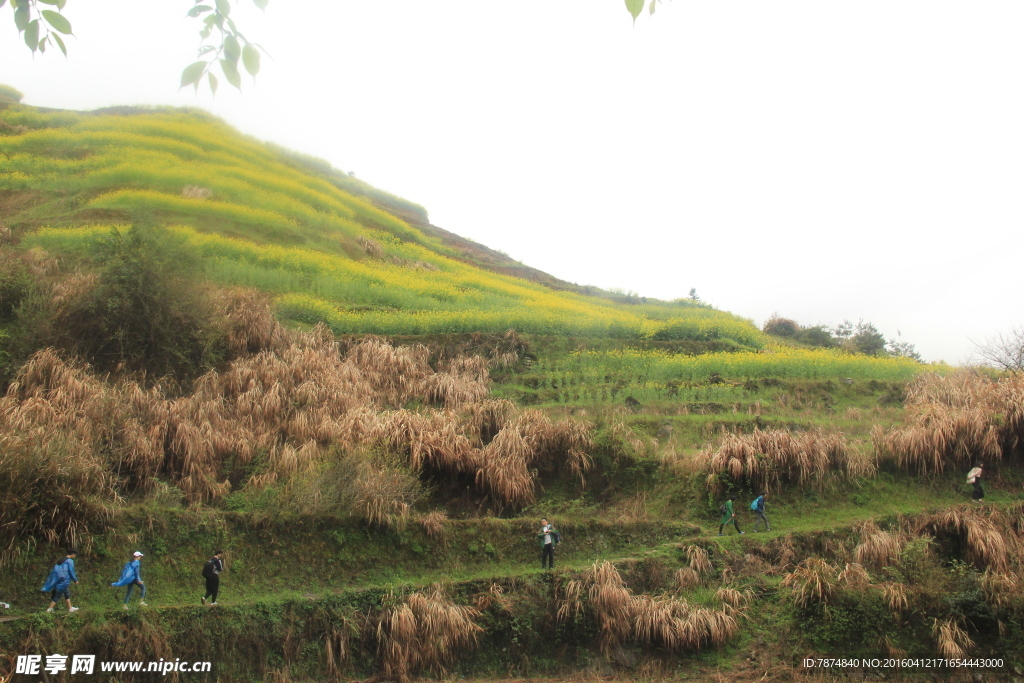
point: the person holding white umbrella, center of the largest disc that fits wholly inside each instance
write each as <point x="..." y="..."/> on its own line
<point x="974" y="477"/>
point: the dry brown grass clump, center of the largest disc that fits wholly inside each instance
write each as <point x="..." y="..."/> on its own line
<point x="951" y="640"/>
<point x="984" y="545"/>
<point x="433" y="524"/>
<point x="813" y="581"/>
<point x="686" y="577"/>
<point x="196" y="192"/>
<point x="1001" y="589"/>
<point x="283" y="405"/>
<point x="425" y="633"/>
<point x="878" y="548"/>
<point x="765" y="460"/>
<point x="699" y="558"/>
<point x="955" y="421"/>
<point x="527" y="446"/>
<point x="896" y="596"/>
<point x="668" y="622"/>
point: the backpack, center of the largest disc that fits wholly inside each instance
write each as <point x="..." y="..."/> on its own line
<point x="722" y="509"/>
<point x="753" y="506"/>
<point x="209" y="570"/>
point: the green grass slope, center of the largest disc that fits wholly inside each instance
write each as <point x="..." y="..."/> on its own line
<point x="326" y="245"/>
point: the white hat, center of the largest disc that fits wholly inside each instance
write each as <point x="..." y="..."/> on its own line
<point x="138" y="554"/>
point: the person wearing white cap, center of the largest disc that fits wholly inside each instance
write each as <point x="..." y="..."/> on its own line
<point x="131" y="576"/>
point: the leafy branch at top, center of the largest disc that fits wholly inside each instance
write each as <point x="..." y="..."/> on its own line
<point x="232" y="48"/>
<point x="635" y="7"/>
<point x="40" y="27"/>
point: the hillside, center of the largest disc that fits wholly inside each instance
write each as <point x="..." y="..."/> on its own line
<point x="209" y="342"/>
<point x="315" y="238"/>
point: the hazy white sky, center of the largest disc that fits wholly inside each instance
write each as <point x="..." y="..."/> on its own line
<point x="825" y="160"/>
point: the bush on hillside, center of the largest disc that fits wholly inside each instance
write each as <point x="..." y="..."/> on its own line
<point x="780" y="327"/>
<point x="9" y="94"/>
<point x="141" y="312"/>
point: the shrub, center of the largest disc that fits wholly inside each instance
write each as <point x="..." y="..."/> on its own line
<point x="780" y="327"/>
<point x="141" y="313"/>
<point x="9" y="94"/>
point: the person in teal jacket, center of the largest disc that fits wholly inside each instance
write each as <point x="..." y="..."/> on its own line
<point x="131" y="576"/>
<point x="59" y="581"/>
<point x="728" y="517"/>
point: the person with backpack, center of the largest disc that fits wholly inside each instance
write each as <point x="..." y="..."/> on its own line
<point x="59" y="581"/>
<point x="131" y="576"/>
<point x="211" y="572"/>
<point x="728" y="517"/>
<point x="549" y="538"/>
<point x="974" y="477"/>
<point x="758" y="507"/>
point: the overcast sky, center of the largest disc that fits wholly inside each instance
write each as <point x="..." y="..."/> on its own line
<point x="825" y="160"/>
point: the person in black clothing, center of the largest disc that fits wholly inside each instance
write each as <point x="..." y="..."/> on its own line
<point x="974" y="477"/>
<point x="211" y="572"/>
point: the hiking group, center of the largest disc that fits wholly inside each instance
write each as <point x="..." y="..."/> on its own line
<point x="757" y="506"/>
<point x="729" y="515"/>
<point x="58" y="583"/>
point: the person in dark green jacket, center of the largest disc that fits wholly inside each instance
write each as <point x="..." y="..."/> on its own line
<point x="728" y="517"/>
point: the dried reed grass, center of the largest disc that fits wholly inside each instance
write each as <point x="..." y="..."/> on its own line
<point x="196" y="192"/>
<point x="954" y="421"/>
<point x="434" y="526"/>
<point x="878" y="548"/>
<point x="984" y="544"/>
<point x="425" y="633"/>
<point x="668" y="622"/>
<point x="767" y="460"/>
<point x="699" y="558"/>
<point x="814" y="581"/>
<point x="951" y="640"/>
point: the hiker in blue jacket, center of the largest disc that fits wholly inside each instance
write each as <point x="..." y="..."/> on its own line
<point x="59" y="581"/>
<point x="131" y="576"/>
<point x="758" y="507"/>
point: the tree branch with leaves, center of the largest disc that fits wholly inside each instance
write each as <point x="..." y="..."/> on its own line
<point x="42" y="22"/>
<point x="232" y="47"/>
<point x="39" y="27"/>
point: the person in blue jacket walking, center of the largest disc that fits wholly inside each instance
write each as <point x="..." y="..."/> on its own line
<point x="758" y="507"/>
<point x="59" y="581"/>
<point x="131" y="576"/>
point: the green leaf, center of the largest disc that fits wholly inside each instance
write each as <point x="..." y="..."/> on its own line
<point x="57" y="21"/>
<point x="262" y="4"/>
<point x="42" y="45"/>
<point x="3" y="2"/>
<point x="251" y="59"/>
<point x="61" y="3"/>
<point x="21" y="17"/>
<point x="199" y="9"/>
<point x="60" y="43"/>
<point x="635" y="7"/>
<point x="49" y="2"/>
<point x="652" y="6"/>
<point x="213" y="83"/>
<point x="32" y="35"/>
<point x="232" y="50"/>
<point x="205" y="49"/>
<point x="224" y="7"/>
<point x="192" y="73"/>
<point x="230" y="70"/>
<point x="210" y="18"/>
